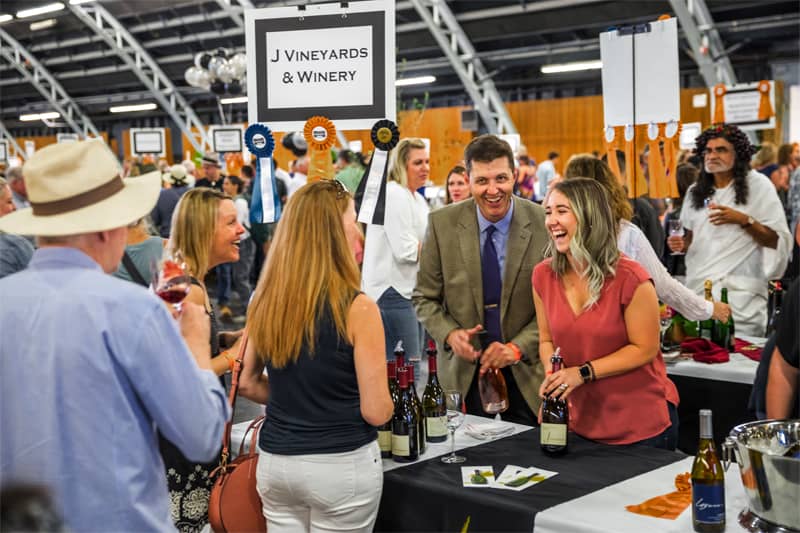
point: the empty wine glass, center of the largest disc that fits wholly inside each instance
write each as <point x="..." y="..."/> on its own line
<point x="675" y="230"/>
<point x="455" y="417"/>
<point x="171" y="282"/>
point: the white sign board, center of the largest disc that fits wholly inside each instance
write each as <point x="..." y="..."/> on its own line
<point x="356" y="146"/>
<point x="67" y="137"/>
<point x="513" y="140"/>
<point x="741" y="103"/>
<point x="3" y="151"/>
<point x="322" y="60"/>
<point x="640" y="74"/>
<point x="148" y="141"/>
<point x="689" y="133"/>
<point x="226" y="138"/>
<point x="30" y="148"/>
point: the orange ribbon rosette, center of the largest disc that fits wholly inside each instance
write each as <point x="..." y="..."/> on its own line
<point x="765" y="111"/>
<point x="320" y="133"/>
<point x="719" y="91"/>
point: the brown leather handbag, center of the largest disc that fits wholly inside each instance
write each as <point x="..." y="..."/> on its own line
<point x="234" y="504"/>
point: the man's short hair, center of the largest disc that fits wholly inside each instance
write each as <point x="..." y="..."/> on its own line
<point x="14" y="174"/>
<point x="552" y="155"/>
<point x="485" y="149"/>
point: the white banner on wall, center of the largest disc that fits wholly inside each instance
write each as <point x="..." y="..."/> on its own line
<point x="148" y="141"/>
<point x="67" y="137"/>
<point x="323" y="60"/>
<point x="227" y="138"/>
<point x="741" y="103"/>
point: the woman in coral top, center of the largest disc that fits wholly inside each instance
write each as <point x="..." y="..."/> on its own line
<point x="601" y="309"/>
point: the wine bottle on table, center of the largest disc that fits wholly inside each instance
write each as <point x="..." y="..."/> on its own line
<point x="404" y="423"/>
<point x="708" y="481"/>
<point x="433" y="405"/>
<point x="385" y="431"/>
<point x="399" y="355"/>
<point x="777" y="302"/>
<point x="555" y="417"/>
<point x="706" y="329"/>
<point x="417" y="409"/>
<point x="724" y="331"/>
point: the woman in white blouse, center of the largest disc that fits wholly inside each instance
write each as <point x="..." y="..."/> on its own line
<point x="391" y="251"/>
<point x="633" y="243"/>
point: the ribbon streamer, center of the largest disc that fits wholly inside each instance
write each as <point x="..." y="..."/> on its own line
<point x="611" y="151"/>
<point x="631" y="163"/>
<point x="765" y="111"/>
<point x="719" y="103"/>
<point x="370" y="195"/>
<point x="266" y="206"/>
<point x="320" y="133"/>
<point x="655" y="162"/>
<point x="671" y="158"/>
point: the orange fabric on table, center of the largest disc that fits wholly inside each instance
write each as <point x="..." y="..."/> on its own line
<point x="620" y="409"/>
<point x="669" y="505"/>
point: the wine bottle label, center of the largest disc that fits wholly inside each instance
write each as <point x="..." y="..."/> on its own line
<point x="400" y="445"/>
<point x="709" y="503"/>
<point x="554" y="434"/>
<point x="436" y="426"/>
<point x="385" y="440"/>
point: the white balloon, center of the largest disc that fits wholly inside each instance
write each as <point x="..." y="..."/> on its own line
<point x="239" y="64"/>
<point x="225" y="72"/>
<point x="214" y="65"/>
<point x="191" y="76"/>
<point x="197" y="58"/>
<point x="203" y="79"/>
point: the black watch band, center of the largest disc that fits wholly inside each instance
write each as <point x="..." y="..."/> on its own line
<point x="586" y="373"/>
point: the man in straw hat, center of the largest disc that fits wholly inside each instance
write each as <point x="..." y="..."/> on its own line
<point x="92" y="365"/>
<point x="212" y="177"/>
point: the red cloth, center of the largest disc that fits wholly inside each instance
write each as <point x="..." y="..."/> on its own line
<point x="747" y="349"/>
<point x="618" y="409"/>
<point x="705" y="351"/>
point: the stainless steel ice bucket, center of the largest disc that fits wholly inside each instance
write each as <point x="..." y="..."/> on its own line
<point x="771" y="479"/>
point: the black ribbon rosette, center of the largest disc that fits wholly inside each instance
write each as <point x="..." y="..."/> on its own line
<point x="266" y="206"/>
<point x="370" y="195"/>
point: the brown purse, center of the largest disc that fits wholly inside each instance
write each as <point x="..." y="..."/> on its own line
<point x="234" y="504"/>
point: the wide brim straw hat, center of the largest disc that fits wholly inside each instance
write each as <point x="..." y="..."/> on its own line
<point x="76" y="188"/>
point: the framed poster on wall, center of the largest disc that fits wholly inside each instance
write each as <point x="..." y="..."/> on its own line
<point x="148" y="141"/>
<point x="226" y="138"/>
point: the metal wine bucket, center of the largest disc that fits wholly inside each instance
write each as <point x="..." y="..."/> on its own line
<point x="768" y="455"/>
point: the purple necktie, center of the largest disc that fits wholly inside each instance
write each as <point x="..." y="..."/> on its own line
<point x="492" y="288"/>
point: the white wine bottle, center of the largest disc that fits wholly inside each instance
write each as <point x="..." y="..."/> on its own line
<point x="708" y="482"/>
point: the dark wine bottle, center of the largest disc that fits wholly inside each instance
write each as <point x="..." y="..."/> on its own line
<point x="777" y="302"/>
<point x="399" y="355"/>
<point x="404" y="423"/>
<point x="706" y="329"/>
<point x="708" y="481"/>
<point x="433" y="405"/>
<point x="675" y="334"/>
<point x="417" y="409"/>
<point x="555" y="417"/>
<point x="723" y="334"/>
<point x="385" y="431"/>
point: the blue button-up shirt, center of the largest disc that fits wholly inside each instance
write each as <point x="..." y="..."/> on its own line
<point x="90" y="367"/>
<point x="500" y="237"/>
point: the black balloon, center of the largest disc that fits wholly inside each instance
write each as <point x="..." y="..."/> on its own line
<point x="218" y="87"/>
<point x="204" y="59"/>
<point x="221" y="52"/>
<point x="234" y="87"/>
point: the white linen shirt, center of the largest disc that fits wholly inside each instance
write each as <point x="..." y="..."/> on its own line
<point x="391" y="251"/>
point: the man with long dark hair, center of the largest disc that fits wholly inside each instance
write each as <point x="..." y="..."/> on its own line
<point x="736" y="232"/>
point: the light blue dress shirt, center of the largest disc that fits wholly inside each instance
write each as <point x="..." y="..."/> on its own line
<point x="500" y="237"/>
<point x="90" y="367"/>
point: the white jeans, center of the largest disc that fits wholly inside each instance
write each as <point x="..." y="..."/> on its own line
<point x="321" y="492"/>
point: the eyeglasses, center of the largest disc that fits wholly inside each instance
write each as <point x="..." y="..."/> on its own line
<point x="719" y="150"/>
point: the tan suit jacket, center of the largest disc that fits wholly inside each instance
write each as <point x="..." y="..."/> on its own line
<point x="449" y="290"/>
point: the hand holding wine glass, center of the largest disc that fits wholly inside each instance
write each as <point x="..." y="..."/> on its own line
<point x="455" y="417"/>
<point x="676" y="230"/>
<point x="171" y="281"/>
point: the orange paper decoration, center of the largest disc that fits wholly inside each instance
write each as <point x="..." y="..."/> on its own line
<point x="671" y="161"/>
<point x="719" y="105"/>
<point x="765" y="110"/>
<point x="669" y="506"/>
<point x="611" y="153"/>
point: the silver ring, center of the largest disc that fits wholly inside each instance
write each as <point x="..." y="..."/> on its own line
<point x="563" y="386"/>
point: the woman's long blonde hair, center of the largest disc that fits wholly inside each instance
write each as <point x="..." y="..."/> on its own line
<point x="310" y="270"/>
<point x="194" y="223"/>
<point x="594" y="246"/>
<point x="588" y="166"/>
<point x="399" y="159"/>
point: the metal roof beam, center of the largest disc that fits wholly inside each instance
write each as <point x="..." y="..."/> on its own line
<point x="17" y="150"/>
<point x="470" y="69"/>
<point x="44" y="82"/>
<point x="145" y="68"/>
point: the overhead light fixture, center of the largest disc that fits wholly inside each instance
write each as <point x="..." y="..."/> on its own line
<point x="133" y="107"/>
<point x="6" y="17"/>
<point x="76" y="2"/>
<point x="234" y="100"/>
<point x="41" y="10"/>
<point x="39" y="116"/>
<point x="419" y="80"/>
<point x="42" y="24"/>
<point x="571" y="67"/>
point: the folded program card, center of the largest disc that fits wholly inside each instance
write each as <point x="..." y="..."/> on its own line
<point x="520" y="478"/>
<point x="481" y="477"/>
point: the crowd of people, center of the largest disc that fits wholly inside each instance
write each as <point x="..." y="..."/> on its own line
<point x="121" y="415"/>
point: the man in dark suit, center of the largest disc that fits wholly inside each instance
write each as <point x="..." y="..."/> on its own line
<point x="474" y="281"/>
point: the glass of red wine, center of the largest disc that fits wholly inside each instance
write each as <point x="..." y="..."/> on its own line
<point x="171" y="281"/>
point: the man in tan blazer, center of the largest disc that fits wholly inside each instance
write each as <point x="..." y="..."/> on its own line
<point x="454" y="283"/>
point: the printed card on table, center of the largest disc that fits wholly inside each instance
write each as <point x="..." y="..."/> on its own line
<point x="520" y="478"/>
<point x="481" y="477"/>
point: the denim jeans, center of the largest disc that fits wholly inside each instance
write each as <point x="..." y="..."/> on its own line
<point x="223" y="283"/>
<point x="400" y="323"/>
<point x="667" y="439"/>
<point x="321" y="492"/>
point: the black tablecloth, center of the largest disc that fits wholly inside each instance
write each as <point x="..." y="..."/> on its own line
<point x="429" y="496"/>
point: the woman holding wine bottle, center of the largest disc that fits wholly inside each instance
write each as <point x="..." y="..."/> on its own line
<point x="204" y="234"/>
<point x="601" y="309"/>
<point x="322" y="343"/>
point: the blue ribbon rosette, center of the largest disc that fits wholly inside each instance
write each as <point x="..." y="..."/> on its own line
<point x="266" y="205"/>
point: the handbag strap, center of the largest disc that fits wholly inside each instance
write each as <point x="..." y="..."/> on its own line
<point x="235" y="373"/>
<point x="130" y="266"/>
